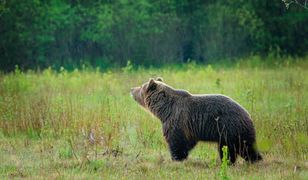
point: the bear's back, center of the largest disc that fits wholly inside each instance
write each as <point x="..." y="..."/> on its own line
<point x="212" y="111"/>
<point x="216" y="104"/>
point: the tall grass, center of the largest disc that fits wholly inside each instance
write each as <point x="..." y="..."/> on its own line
<point x="97" y="106"/>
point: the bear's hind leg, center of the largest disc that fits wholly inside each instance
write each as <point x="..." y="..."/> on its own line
<point x="250" y="154"/>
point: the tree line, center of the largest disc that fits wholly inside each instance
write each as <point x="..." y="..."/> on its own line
<point x="70" y="33"/>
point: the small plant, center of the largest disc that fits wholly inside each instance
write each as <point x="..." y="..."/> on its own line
<point x="129" y="67"/>
<point x="218" y="82"/>
<point x="224" y="164"/>
<point x="65" y="152"/>
<point x="95" y="165"/>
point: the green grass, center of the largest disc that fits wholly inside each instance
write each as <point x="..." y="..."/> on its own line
<point x="84" y="124"/>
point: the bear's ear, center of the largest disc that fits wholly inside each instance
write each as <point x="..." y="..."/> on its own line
<point x="159" y="79"/>
<point x="152" y="85"/>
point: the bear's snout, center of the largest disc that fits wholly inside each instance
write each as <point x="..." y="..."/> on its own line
<point x="133" y="91"/>
<point x="136" y="94"/>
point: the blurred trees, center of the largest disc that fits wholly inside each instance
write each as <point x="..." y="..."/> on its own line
<point x="41" y="33"/>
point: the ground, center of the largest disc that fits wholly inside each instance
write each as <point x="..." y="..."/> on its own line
<point x="84" y="124"/>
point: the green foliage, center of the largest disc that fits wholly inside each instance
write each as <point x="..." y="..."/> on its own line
<point x="224" y="164"/>
<point x="38" y="34"/>
<point x="128" y="68"/>
<point x="65" y="152"/>
<point x="95" y="165"/>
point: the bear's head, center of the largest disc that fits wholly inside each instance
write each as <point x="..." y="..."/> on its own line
<point x="159" y="98"/>
<point x="141" y="93"/>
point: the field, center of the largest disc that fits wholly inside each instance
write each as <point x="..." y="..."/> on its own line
<point x="84" y="124"/>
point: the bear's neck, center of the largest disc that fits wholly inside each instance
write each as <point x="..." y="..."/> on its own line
<point x="160" y="106"/>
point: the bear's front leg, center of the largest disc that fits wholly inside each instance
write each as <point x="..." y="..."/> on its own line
<point x="179" y="146"/>
<point x="178" y="151"/>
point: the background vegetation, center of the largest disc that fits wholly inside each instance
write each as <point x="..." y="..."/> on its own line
<point x="69" y="33"/>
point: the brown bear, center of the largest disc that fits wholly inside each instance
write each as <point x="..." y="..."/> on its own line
<point x="187" y="119"/>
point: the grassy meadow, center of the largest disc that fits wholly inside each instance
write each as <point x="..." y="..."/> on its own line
<point x="83" y="124"/>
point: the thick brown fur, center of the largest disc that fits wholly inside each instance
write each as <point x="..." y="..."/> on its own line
<point x="187" y="119"/>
